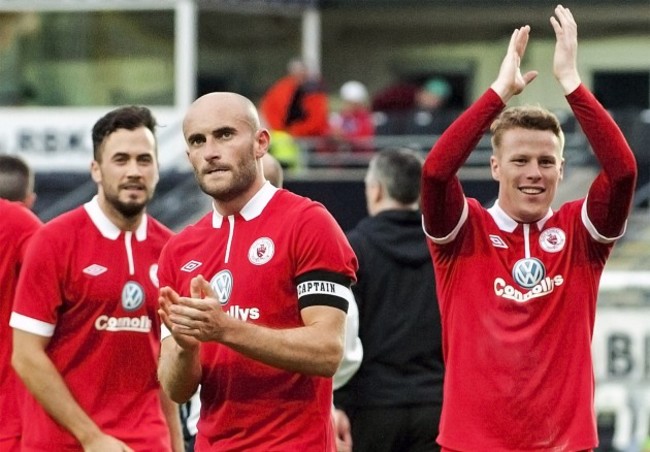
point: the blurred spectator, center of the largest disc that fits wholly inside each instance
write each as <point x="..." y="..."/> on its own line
<point x="407" y="108"/>
<point x="433" y="94"/>
<point x="405" y="96"/>
<point x="394" y="400"/>
<point x="297" y="103"/>
<point x="353" y="127"/>
<point x="16" y="180"/>
<point x="285" y="149"/>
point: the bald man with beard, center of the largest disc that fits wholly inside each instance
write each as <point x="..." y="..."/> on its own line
<point x="254" y="295"/>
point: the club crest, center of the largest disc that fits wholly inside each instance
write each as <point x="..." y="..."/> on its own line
<point x="261" y="251"/>
<point x="552" y="240"/>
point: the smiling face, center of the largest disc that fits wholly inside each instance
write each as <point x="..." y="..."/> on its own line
<point x="225" y="143"/>
<point x="127" y="172"/>
<point x="528" y="165"/>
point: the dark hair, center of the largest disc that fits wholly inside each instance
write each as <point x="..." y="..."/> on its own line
<point x="526" y="117"/>
<point x="399" y="170"/>
<point x="16" y="178"/>
<point x="130" y="118"/>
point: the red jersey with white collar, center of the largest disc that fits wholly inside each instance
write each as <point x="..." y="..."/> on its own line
<point x="93" y="290"/>
<point x="17" y="224"/>
<point x="518" y="300"/>
<point x="281" y="253"/>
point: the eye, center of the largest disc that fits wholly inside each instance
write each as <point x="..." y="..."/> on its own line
<point x="195" y="140"/>
<point x="225" y="134"/>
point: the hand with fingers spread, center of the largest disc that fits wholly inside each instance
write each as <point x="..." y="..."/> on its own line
<point x="565" y="67"/>
<point x="510" y="80"/>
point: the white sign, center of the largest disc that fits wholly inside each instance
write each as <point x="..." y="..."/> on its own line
<point x="59" y="139"/>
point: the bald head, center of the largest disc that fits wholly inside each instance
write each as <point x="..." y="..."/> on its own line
<point x="222" y="104"/>
<point x="272" y="170"/>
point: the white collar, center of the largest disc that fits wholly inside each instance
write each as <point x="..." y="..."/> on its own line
<point x="253" y="207"/>
<point x="106" y="227"/>
<point x="507" y="224"/>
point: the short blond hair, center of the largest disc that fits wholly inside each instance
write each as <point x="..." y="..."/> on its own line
<point x="531" y="117"/>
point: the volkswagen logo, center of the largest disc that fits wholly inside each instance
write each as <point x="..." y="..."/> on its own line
<point x="132" y="296"/>
<point x="221" y="283"/>
<point x="528" y="272"/>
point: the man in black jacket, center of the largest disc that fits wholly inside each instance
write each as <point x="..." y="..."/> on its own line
<point x="394" y="399"/>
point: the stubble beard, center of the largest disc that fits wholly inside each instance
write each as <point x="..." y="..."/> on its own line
<point x="242" y="178"/>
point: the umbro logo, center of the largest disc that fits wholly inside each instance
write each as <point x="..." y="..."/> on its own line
<point x="497" y="241"/>
<point x="94" y="270"/>
<point x="191" y="266"/>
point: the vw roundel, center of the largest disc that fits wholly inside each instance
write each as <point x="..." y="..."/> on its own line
<point x="221" y="284"/>
<point x="528" y="272"/>
<point x="132" y="296"/>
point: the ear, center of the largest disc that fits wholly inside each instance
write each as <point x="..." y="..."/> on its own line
<point x="95" y="171"/>
<point x="494" y="167"/>
<point x="30" y="200"/>
<point x="375" y="192"/>
<point x="562" y="169"/>
<point x="263" y="139"/>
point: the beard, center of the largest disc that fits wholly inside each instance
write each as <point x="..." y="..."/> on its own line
<point x="129" y="209"/>
<point x="243" y="176"/>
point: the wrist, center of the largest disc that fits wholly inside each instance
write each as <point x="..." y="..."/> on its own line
<point x="569" y="83"/>
<point x="88" y="435"/>
<point x="503" y="91"/>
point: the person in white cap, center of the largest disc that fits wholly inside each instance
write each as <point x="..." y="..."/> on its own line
<point x="353" y="126"/>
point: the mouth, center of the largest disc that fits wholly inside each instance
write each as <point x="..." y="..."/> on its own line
<point x="532" y="190"/>
<point x="133" y="187"/>
<point x="216" y="170"/>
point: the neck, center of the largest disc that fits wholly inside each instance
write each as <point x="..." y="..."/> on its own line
<point x="391" y="204"/>
<point x="235" y="205"/>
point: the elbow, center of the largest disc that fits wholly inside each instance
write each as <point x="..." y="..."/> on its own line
<point x="174" y="392"/>
<point x="19" y="363"/>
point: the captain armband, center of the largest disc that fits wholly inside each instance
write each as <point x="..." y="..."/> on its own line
<point x="323" y="288"/>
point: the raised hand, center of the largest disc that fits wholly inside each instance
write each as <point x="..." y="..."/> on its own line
<point x="510" y="80"/>
<point x="565" y="66"/>
<point x="198" y="317"/>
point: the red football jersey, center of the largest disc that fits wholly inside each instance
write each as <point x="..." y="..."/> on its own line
<point x="17" y="224"/>
<point x="280" y="253"/>
<point x="518" y="300"/>
<point x="502" y="367"/>
<point x="93" y="289"/>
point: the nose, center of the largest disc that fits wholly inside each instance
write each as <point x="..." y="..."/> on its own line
<point x="133" y="170"/>
<point x="534" y="172"/>
<point x="211" y="149"/>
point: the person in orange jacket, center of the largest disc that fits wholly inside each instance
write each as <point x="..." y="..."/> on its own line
<point x="297" y="103"/>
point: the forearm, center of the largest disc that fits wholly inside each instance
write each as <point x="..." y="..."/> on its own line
<point x="172" y="416"/>
<point x="179" y="370"/>
<point x="46" y="384"/>
<point x="315" y="349"/>
<point x="610" y="196"/>
<point x="605" y="137"/>
<point x="442" y="195"/>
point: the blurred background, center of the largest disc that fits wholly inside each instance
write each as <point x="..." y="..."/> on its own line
<point x="65" y="63"/>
